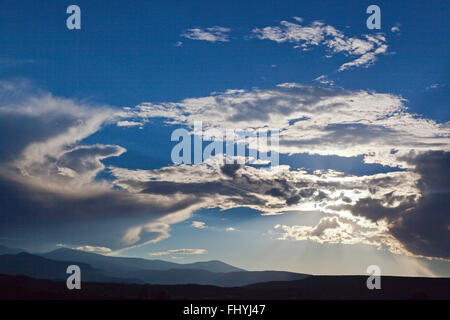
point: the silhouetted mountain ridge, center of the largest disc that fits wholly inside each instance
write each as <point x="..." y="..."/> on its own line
<point x="117" y="265"/>
<point x="100" y="268"/>
<point x="42" y="268"/>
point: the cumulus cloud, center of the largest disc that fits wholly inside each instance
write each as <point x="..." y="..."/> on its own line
<point x="179" y="252"/>
<point x="211" y="34"/>
<point x="318" y="33"/>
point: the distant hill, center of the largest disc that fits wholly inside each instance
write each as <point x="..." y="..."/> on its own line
<point x="313" y="287"/>
<point x="43" y="268"/>
<point x="117" y="266"/>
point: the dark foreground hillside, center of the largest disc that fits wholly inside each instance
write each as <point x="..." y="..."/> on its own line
<point x="314" y="287"/>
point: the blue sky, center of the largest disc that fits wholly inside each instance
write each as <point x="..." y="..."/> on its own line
<point x="74" y="84"/>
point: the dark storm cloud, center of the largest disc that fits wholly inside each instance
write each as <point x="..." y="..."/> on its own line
<point x="426" y="229"/>
<point x="423" y="225"/>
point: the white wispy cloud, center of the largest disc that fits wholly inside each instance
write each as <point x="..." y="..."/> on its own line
<point x="211" y="34"/>
<point x="179" y="252"/>
<point x="94" y="249"/>
<point x="367" y="48"/>
<point x="323" y="79"/>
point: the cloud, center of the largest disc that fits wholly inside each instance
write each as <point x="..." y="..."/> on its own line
<point x="425" y="228"/>
<point x="435" y="86"/>
<point x="230" y="229"/>
<point x="126" y="123"/>
<point x="373" y="209"/>
<point x="280" y="190"/>
<point x="211" y="34"/>
<point x="319" y="34"/>
<point x="334" y="121"/>
<point x="415" y="224"/>
<point x="198" y="224"/>
<point x="324" y="80"/>
<point x="94" y="249"/>
<point x="179" y="252"/>
<point x="51" y="177"/>
<point x="335" y="229"/>
<point x="396" y="28"/>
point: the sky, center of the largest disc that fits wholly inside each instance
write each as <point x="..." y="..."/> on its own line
<point x="86" y="118"/>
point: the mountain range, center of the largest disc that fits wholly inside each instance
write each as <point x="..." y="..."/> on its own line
<point x="100" y="268"/>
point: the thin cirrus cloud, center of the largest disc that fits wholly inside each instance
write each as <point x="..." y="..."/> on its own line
<point x="211" y="34"/>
